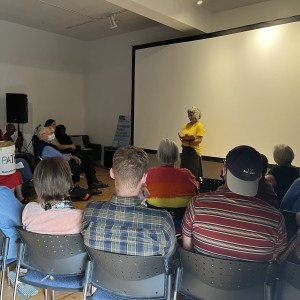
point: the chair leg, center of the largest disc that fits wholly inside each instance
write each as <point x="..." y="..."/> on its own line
<point x="53" y="295"/>
<point x="16" y="281"/>
<point x="46" y="294"/>
<point x="2" y="281"/>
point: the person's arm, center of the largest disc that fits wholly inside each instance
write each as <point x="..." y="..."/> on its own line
<point x="187" y="226"/>
<point x="271" y="179"/>
<point x="49" y="152"/>
<point x="196" y="141"/>
<point x="187" y="243"/>
<point x="77" y="159"/>
<point x="63" y="147"/>
<point x="291" y="197"/>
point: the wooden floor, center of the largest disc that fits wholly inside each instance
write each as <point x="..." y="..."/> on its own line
<point x="103" y="175"/>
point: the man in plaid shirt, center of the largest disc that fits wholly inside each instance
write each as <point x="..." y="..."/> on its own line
<point x="122" y="225"/>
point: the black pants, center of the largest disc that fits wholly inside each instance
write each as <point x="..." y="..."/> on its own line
<point x="191" y="161"/>
<point x="86" y="167"/>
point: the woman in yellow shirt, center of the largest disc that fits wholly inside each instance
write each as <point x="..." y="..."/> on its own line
<point x="191" y="137"/>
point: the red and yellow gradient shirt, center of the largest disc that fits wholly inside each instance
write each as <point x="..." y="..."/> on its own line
<point x="170" y="187"/>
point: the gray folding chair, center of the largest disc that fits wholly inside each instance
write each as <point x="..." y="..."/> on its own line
<point x="289" y="282"/>
<point x="208" y="278"/>
<point x="118" y="276"/>
<point x="4" y="244"/>
<point x="54" y="262"/>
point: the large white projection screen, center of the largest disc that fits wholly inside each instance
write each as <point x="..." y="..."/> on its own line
<point x="247" y="86"/>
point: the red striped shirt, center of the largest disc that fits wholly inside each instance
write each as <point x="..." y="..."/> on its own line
<point x="225" y="224"/>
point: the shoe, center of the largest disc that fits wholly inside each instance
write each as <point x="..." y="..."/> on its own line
<point x="80" y="193"/>
<point x="25" y="291"/>
<point x="94" y="191"/>
<point x="99" y="184"/>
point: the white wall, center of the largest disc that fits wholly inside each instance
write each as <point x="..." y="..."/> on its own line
<point x="108" y="80"/>
<point x="48" y="68"/>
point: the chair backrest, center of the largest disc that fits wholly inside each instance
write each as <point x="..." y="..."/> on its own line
<point x="129" y="276"/>
<point x="290" y="281"/>
<point x="210" y="185"/>
<point x="52" y="254"/>
<point x="203" y="277"/>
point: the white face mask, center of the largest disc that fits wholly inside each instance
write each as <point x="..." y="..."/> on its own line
<point x="51" y="137"/>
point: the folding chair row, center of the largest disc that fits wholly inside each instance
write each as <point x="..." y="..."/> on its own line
<point x="62" y="262"/>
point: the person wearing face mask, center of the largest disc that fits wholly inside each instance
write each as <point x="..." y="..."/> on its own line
<point x="45" y="149"/>
<point x="191" y="137"/>
<point x="52" y="125"/>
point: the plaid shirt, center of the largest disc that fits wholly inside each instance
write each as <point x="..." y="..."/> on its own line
<point x="124" y="226"/>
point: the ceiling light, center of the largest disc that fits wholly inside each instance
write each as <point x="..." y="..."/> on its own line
<point x="112" y="21"/>
<point x="199" y="2"/>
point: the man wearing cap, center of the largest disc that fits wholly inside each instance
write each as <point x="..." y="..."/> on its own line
<point x="233" y="223"/>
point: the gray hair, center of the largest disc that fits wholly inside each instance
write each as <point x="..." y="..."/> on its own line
<point x="283" y="154"/>
<point x="129" y="165"/>
<point x="167" y="152"/>
<point x="52" y="179"/>
<point x="41" y="131"/>
<point x="196" y="111"/>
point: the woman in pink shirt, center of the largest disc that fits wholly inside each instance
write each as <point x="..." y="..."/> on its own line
<point x="53" y="213"/>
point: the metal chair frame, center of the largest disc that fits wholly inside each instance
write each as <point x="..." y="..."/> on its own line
<point x="209" y="278"/>
<point x="4" y="245"/>
<point x="289" y="282"/>
<point x="53" y="255"/>
<point x="129" y="277"/>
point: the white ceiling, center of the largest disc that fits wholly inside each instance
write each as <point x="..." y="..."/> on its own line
<point x="88" y="19"/>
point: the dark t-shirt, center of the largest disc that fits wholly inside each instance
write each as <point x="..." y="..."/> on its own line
<point x="284" y="176"/>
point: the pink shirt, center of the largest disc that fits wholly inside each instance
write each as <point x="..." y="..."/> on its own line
<point x="52" y="221"/>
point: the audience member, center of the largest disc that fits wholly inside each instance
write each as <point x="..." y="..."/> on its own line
<point x="62" y="147"/>
<point x="292" y="252"/>
<point x="46" y="150"/>
<point x="191" y="137"/>
<point x="53" y="213"/>
<point x="10" y="216"/>
<point x="234" y="224"/>
<point x="265" y="189"/>
<point x="123" y="225"/>
<point x="26" y="170"/>
<point x="61" y="135"/>
<point x="291" y="200"/>
<point x="10" y="130"/>
<point x="169" y="187"/>
<point x="284" y="174"/>
<point x="14" y="180"/>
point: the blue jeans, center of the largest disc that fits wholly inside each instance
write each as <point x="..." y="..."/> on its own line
<point x="26" y="174"/>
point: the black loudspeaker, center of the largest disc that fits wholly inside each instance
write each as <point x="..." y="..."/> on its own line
<point x="16" y="108"/>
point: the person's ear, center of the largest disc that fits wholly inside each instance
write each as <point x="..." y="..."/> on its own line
<point x="224" y="170"/>
<point x="111" y="173"/>
<point x="144" y="178"/>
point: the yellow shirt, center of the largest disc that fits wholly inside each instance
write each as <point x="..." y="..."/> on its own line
<point x="196" y="129"/>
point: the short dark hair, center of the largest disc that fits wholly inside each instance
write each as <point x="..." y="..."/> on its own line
<point x="129" y="165"/>
<point x="49" y="122"/>
<point x="52" y="179"/>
